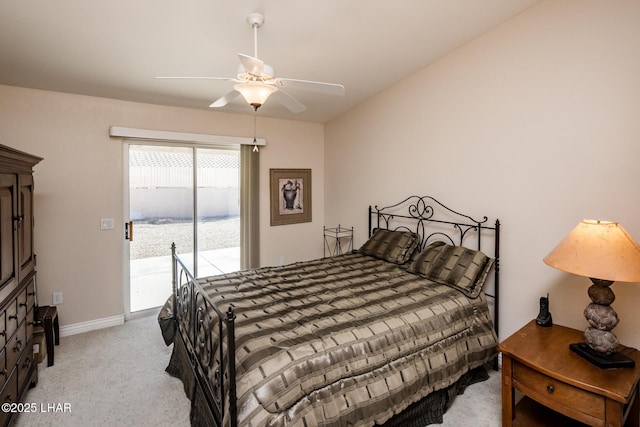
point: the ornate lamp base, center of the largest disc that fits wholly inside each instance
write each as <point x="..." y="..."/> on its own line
<point x="600" y="341"/>
<point x="602" y="360"/>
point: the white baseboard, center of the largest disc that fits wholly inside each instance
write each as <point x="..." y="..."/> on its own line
<point x="91" y="325"/>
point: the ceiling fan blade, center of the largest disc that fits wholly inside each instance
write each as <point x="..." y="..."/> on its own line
<point x="290" y="102"/>
<point x="253" y="66"/>
<point x="196" y="78"/>
<point x="328" y="88"/>
<point x="221" y="102"/>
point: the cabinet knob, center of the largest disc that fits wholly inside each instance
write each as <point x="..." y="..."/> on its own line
<point x="550" y="388"/>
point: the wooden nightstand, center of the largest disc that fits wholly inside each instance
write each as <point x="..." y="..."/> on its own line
<point x="537" y="361"/>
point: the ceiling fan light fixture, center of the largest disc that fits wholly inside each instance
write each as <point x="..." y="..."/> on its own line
<point x="255" y="93"/>
<point x="256" y="81"/>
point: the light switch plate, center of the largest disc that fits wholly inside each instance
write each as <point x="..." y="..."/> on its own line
<point x="106" y="223"/>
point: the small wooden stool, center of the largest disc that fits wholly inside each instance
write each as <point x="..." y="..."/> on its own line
<point x="48" y="318"/>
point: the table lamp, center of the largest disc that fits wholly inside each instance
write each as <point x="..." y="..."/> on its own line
<point x="604" y="252"/>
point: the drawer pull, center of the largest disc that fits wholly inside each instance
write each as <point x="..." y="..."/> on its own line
<point x="550" y="389"/>
<point x="4" y="373"/>
<point x="18" y="346"/>
<point x="13" y="317"/>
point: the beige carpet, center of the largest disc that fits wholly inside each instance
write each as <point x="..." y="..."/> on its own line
<point x="116" y="377"/>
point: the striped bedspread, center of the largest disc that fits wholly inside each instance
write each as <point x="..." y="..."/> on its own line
<point x="346" y="340"/>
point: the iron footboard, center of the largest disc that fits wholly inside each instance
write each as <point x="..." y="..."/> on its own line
<point x="196" y="316"/>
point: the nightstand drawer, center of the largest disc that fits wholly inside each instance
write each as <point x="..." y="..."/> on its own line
<point x="564" y="398"/>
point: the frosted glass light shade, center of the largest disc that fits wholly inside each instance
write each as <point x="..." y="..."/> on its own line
<point x="255" y="93"/>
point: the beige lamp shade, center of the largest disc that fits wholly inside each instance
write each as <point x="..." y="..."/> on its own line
<point x="600" y="250"/>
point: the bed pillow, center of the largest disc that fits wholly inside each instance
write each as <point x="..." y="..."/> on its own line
<point x="455" y="266"/>
<point x="391" y="245"/>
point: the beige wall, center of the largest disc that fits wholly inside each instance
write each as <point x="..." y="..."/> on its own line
<point x="80" y="181"/>
<point x="537" y="123"/>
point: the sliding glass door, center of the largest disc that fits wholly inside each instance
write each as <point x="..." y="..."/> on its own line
<point x="218" y="211"/>
<point x="187" y="195"/>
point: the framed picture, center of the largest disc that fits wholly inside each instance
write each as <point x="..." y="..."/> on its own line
<point x="290" y="196"/>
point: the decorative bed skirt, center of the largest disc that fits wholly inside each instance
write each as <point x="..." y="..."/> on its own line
<point x="429" y="410"/>
<point x="180" y="367"/>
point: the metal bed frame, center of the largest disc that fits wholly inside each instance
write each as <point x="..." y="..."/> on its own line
<point x="192" y="306"/>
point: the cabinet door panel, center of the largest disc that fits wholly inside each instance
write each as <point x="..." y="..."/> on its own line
<point x="8" y="207"/>
<point x="26" y="258"/>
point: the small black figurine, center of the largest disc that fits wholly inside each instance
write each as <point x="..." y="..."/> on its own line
<point x="544" y="317"/>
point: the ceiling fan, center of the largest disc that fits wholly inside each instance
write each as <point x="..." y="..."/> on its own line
<point x="256" y="81"/>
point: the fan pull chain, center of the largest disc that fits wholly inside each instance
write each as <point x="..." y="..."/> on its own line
<point x="255" y="143"/>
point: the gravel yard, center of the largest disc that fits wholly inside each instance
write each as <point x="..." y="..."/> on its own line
<point x="154" y="238"/>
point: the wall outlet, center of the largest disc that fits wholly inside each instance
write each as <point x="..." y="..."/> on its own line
<point x="57" y="298"/>
<point x="281" y="260"/>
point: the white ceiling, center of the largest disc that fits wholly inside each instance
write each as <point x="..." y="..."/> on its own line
<point x="115" y="48"/>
